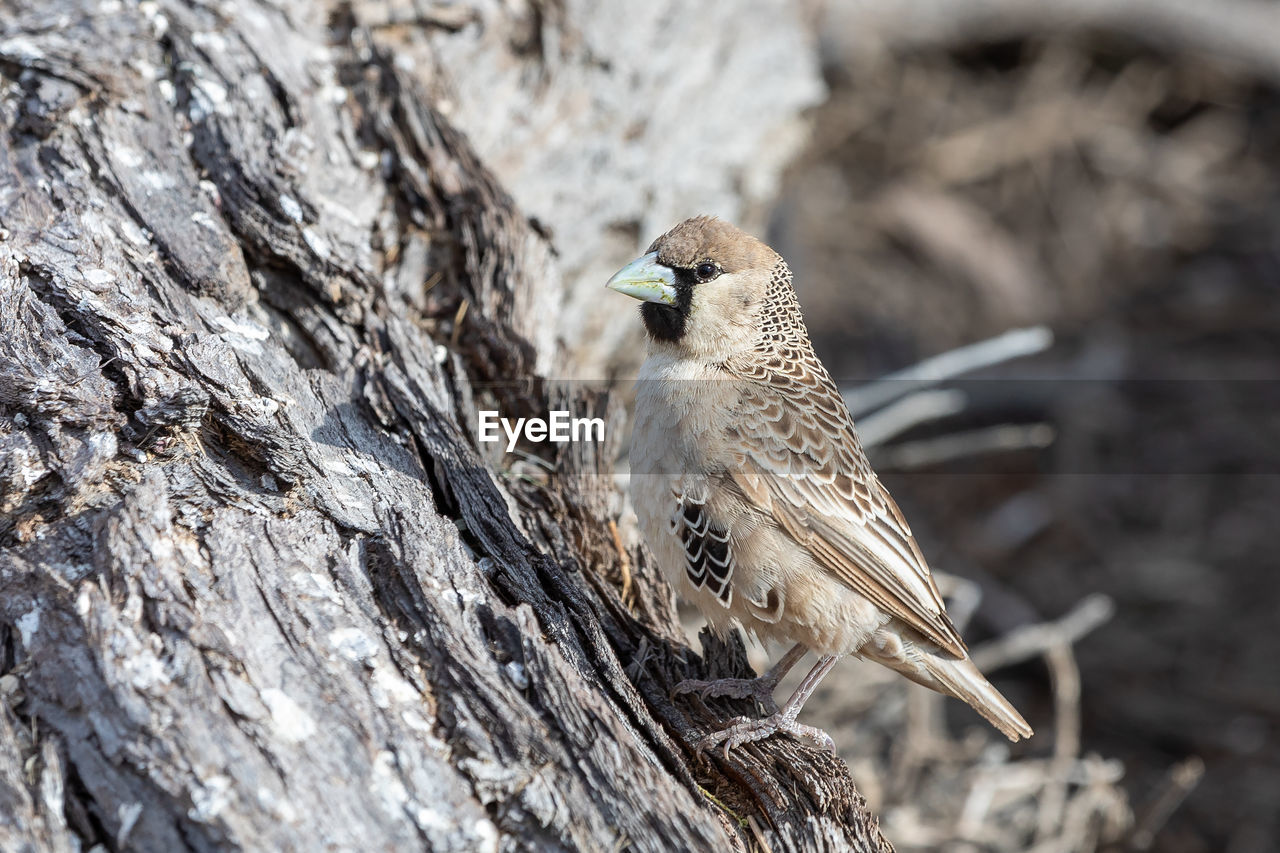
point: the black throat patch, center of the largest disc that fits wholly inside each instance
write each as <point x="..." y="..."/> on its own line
<point x="667" y="322"/>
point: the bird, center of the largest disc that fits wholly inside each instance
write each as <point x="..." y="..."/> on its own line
<point x="755" y="497"/>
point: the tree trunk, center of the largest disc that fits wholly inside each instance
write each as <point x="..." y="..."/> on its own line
<point x="260" y="586"/>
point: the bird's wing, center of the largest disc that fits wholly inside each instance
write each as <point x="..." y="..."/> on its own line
<point x="800" y="461"/>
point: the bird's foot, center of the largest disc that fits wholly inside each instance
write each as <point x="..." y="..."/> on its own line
<point x="760" y="689"/>
<point x="743" y="730"/>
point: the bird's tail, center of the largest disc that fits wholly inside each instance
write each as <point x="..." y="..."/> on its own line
<point x="956" y="677"/>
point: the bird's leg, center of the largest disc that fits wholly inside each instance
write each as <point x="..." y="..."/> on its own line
<point x="744" y="730"/>
<point x="759" y="688"/>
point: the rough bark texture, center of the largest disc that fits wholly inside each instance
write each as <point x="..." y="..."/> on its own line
<point x="259" y="588"/>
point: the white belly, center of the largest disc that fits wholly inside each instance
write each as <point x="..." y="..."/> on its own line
<point x="673" y="412"/>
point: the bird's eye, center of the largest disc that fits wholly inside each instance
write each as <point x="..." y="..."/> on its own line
<point x="706" y="271"/>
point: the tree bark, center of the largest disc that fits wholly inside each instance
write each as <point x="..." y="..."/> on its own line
<point x="260" y="586"/>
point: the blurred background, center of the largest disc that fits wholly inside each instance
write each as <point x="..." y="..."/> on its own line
<point x="1115" y="177"/>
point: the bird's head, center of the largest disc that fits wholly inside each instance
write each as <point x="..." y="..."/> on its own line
<point x="704" y="285"/>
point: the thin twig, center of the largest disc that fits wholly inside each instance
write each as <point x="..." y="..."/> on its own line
<point x="457" y="323"/>
<point x="1032" y="640"/>
<point x="1065" y="675"/>
<point x="912" y="410"/>
<point x="1016" y="343"/>
<point x="624" y="563"/>
<point x="1180" y="781"/>
<point x="962" y="445"/>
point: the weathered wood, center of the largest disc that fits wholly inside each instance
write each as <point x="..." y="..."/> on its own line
<point x="259" y="587"/>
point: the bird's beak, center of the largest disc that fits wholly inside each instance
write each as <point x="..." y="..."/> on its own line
<point x="645" y="278"/>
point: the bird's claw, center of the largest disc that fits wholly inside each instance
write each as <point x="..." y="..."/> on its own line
<point x="744" y="730"/>
<point x="759" y="689"/>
